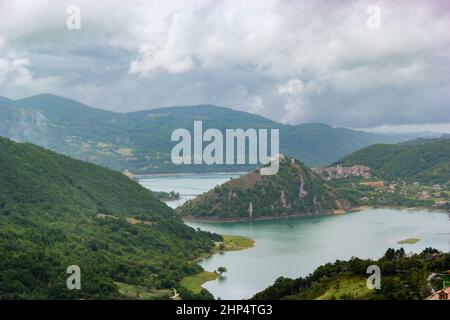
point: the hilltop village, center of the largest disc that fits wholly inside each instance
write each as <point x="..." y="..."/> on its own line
<point x="373" y="190"/>
<point x="338" y="172"/>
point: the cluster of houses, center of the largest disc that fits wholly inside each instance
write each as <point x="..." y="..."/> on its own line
<point x="380" y="186"/>
<point x="424" y="195"/>
<point x="437" y="187"/>
<point x="339" y="172"/>
<point x="372" y="184"/>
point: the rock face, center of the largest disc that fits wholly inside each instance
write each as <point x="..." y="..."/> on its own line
<point x="294" y="190"/>
<point x="302" y="193"/>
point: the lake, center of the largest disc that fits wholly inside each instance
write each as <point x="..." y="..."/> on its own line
<point x="295" y="247"/>
<point x="188" y="185"/>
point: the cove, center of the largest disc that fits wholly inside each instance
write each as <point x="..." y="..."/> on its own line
<point x="295" y="247"/>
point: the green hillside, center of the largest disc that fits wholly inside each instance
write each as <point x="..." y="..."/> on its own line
<point x="140" y="141"/>
<point x="425" y="161"/>
<point x="294" y="190"/>
<point x="56" y="211"/>
<point x="404" y="277"/>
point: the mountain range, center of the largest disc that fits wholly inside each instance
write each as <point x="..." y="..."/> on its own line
<point x="141" y="141"/>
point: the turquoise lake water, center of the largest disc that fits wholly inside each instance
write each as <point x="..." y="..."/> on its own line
<point x="295" y="247"/>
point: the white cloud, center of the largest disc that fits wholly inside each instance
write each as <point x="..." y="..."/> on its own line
<point x="256" y="104"/>
<point x="293" y="86"/>
<point x="151" y="60"/>
<point x="15" y="74"/>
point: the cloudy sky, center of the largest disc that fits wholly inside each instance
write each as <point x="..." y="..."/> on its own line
<point x="292" y="61"/>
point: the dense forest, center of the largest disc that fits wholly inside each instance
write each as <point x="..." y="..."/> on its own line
<point x="56" y="211"/>
<point x="422" y="160"/>
<point x="403" y="277"/>
<point x="294" y="190"/>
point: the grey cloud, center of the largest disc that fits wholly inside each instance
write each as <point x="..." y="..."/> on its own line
<point x="313" y="61"/>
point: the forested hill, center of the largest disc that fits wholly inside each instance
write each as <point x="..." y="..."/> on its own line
<point x="141" y="141"/>
<point x="33" y="177"/>
<point x="56" y="211"/>
<point x="404" y="277"/>
<point x="425" y="161"/>
<point x="294" y="190"/>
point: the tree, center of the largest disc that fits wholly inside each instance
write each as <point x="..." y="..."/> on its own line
<point x="221" y="270"/>
<point x="390" y="254"/>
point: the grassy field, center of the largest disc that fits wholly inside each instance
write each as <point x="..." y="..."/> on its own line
<point x="235" y="243"/>
<point x="347" y="288"/>
<point x="194" y="282"/>
<point x="230" y="243"/>
<point x="138" y="292"/>
<point x="409" y="241"/>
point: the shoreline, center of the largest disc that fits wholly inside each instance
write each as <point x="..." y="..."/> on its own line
<point x="355" y="209"/>
<point x="228" y="239"/>
<point x="143" y="175"/>
<point x="298" y="215"/>
<point x="232" y="220"/>
<point x="199" y="279"/>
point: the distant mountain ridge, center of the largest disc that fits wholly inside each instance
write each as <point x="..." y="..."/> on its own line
<point x="140" y="141"/>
